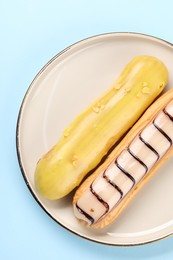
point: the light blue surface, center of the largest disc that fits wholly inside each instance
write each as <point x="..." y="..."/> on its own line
<point x="32" y="32"/>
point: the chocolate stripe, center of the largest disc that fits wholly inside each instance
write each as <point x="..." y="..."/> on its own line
<point x="126" y="173"/>
<point x="85" y="214"/>
<point x="166" y="113"/>
<point x="162" y="132"/>
<point x="137" y="158"/>
<point x="112" y="183"/>
<point x="149" y="146"/>
<point x="104" y="203"/>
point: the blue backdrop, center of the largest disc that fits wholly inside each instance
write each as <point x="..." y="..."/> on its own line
<point x="32" y="32"/>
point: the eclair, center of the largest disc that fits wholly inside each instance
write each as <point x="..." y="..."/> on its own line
<point x="101" y="198"/>
<point x="92" y="133"/>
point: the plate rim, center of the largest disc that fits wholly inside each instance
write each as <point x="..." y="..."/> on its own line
<point x="107" y="34"/>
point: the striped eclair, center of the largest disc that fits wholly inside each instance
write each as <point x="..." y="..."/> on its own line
<point x="106" y="193"/>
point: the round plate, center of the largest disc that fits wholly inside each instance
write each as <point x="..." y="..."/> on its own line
<point x="60" y="91"/>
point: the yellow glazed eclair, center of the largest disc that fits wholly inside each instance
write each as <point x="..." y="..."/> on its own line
<point x="90" y="136"/>
<point x="107" y="192"/>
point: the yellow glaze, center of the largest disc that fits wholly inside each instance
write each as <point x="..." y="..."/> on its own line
<point x="93" y="132"/>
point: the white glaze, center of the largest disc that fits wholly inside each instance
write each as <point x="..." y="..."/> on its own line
<point x="165" y="123"/>
<point x="155" y="139"/>
<point x="125" y="164"/>
<point x="132" y="166"/>
<point x="111" y="196"/>
<point x="94" y="208"/>
<point x="115" y="175"/>
<point x="144" y="153"/>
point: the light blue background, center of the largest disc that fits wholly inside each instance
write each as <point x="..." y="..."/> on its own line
<point x="31" y="33"/>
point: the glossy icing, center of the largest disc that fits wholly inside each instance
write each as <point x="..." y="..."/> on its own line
<point x="131" y="165"/>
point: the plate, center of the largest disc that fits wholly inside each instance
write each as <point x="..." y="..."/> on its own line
<point x="62" y="89"/>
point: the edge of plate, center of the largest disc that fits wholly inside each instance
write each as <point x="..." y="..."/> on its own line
<point x="18" y="126"/>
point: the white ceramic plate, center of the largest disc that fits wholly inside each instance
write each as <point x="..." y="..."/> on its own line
<point x="62" y="89"/>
